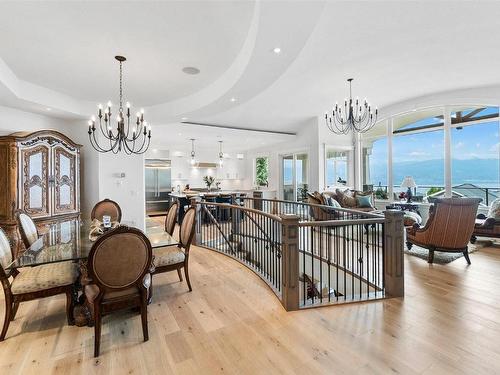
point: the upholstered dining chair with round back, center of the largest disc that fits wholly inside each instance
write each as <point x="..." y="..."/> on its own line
<point x="31" y="283"/>
<point x="170" y="258"/>
<point x="27" y="228"/>
<point x="107" y="207"/>
<point x="171" y="218"/>
<point x="119" y="265"/>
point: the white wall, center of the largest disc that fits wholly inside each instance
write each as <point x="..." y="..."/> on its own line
<point x="13" y="120"/>
<point x="311" y="138"/>
<point x="127" y="191"/>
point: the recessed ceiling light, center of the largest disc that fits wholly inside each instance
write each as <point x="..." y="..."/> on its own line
<point x="277" y="50"/>
<point x="184" y="118"/>
<point x="190" y="70"/>
<point x="233" y="99"/>
<point x="49" y="109"/>
<point x="180" y="133"/>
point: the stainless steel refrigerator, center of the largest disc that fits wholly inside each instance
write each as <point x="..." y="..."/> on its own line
<point x="158" y="186"/>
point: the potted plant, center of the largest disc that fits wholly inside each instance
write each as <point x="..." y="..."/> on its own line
<point x="209" y="181"/>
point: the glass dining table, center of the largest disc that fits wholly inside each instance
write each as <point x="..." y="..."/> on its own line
<point x="70" y="240"/>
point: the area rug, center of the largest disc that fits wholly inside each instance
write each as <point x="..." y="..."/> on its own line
<point x="439" y="257"/>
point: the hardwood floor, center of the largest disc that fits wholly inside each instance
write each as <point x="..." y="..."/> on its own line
<point x="449" y="322"/>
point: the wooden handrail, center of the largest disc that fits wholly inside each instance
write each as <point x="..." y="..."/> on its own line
<point x="338" y="223"/>
<point x="341" y="209"/>
<point x="228" y="205"/>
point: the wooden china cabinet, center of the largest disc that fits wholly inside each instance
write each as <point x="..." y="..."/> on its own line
<point x="40" y="174"/>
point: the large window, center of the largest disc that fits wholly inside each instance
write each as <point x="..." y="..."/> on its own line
<point x="475" y="161"/>
<point x="374" y="162"/>
<point x="336" y="170"/>
<point x="421" y="156"/>
<point x="417" y="141"/>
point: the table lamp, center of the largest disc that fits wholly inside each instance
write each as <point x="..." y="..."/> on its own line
<point x="408" y="182"/>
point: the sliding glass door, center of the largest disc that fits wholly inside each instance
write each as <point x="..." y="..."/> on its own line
<point x="294" y="172"/>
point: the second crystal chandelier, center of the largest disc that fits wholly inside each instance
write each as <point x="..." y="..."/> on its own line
<point x="354" y="116"/>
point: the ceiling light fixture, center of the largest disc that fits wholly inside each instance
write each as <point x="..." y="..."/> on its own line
<point x="356" y="117"/>
<point x="221" y="155"/>
<point x="120" y="140"/>
<point x="184" y="118"/>
<point x="233" y="99"/>
<point x="49" y="109"/>
<point x="277" y="50"/>
<point x="193" y="154"/>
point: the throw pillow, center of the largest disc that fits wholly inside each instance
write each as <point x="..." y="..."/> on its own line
<point x="319" y="198"/>
<point x="346" y="199"/>
<point x="494" y="210"/>
<point x="364" y="201"/>
<point x="333" y="202"/>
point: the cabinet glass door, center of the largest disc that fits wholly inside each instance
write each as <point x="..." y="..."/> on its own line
<point x="64" y="181"/>
<point x="35" y="181"/>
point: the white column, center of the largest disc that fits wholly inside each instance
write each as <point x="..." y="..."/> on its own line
<point x="447" y="151"/>
<point x="358" y="181"/>
<point x="390" y="181"/>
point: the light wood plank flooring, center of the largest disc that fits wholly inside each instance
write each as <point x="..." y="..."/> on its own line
<point x="449" y="322"/>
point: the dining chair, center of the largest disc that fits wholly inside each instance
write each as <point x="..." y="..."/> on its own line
<point x="171" y="218"/>
<point x="119" y="265"/>
<point x="32" y="283"/>
<point x="171" y="258"/>
<point x="27" y="228"/>
<point x="107" y="207"/>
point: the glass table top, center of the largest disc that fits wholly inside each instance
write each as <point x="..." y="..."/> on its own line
<point x="69" y="240"/>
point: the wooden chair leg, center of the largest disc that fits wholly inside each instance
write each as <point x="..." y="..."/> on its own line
<point x="179" y="273"/>
<point x="15" y="306"/>
<point x="466" y="255"/>
<point x="186" y="272"/>
<point x="8" y="314"/>
<point x="431" y="256"/>
<point x="97" y="331"/>
<point x="70" y="307"/>
<point x="144" y="319"/>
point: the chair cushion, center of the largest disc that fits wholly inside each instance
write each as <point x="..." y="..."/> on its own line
<point x="165" y="256"/>
<point x="47" y="276"/>
<point x="92" y="290"/>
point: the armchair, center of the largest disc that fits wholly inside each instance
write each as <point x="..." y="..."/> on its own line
<point x="448" y="229"/>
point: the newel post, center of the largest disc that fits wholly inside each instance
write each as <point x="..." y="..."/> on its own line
<point x="290" y="261"/>
<point x="197" y="231"/>
<point x="394" y="280"/>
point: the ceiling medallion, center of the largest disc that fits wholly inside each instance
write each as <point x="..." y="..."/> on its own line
<point x="354" y="117"/>
<point x="130" y="138"/>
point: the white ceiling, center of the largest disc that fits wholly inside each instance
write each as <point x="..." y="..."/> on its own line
<point x="60" y="55"/>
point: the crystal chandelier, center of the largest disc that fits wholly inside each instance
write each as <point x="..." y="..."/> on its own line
<point x="130" y="138"/>
<point x="355" y="116"/>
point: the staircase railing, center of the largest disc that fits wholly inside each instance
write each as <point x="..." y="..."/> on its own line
<point x="354" y="256"/>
